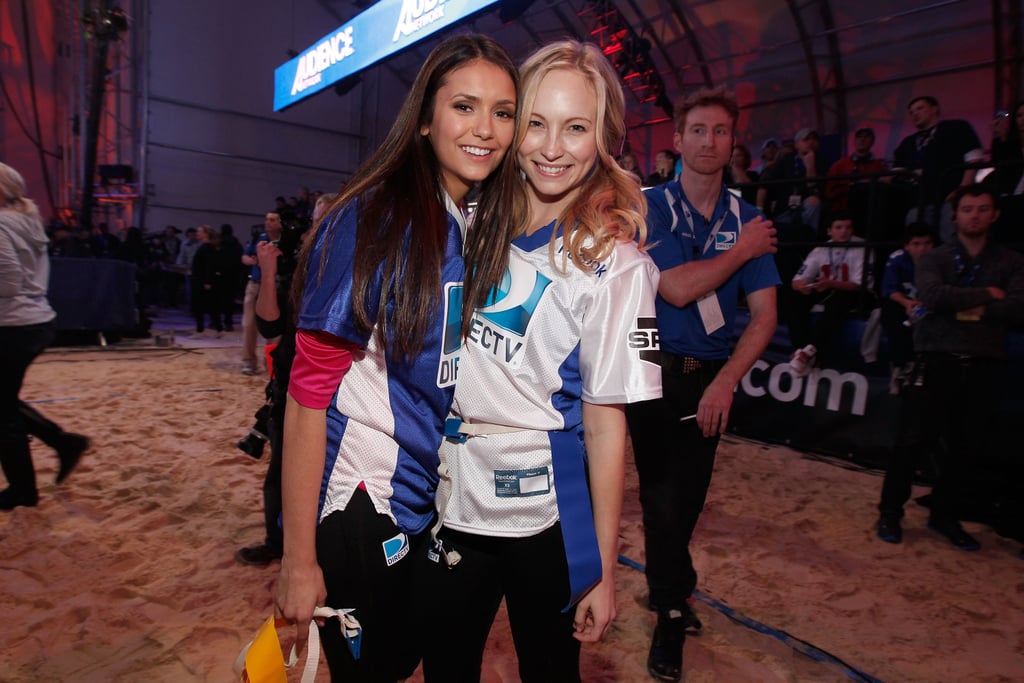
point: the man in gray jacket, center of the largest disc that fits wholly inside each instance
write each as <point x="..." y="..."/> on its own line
<point x="973" y="291"/>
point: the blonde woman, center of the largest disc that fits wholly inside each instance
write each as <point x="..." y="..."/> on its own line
<point x="555" y="342"/>
<point x="26" y="329"/>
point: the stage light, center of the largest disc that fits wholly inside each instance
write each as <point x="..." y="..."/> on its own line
<point x="117" y="20"/>
<point x="628" y="52"/>
<point x="106" y="24"/>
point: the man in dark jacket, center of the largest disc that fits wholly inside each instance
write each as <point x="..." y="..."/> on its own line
<point x="973" y="292"/>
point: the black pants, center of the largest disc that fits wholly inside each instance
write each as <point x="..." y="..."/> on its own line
<point x="836" y="306"/>
<point x="955" y="403"/>
<point x="788" y="261"/>
<point x="272" y="481"/>
<point x="208" y="302"/>
<point x="388" y="599"/>
<point x="674" y="462"/>
<point x="532" y="575"/>
<point x="19" y="346"/>
<point x="901" y="337"/>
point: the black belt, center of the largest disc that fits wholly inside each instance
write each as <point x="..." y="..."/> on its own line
<point x="962" y="359"/>
<point x="684" y="365"/>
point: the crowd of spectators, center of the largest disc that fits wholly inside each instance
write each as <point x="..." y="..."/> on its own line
<point x="919" y="242"/>
<point x="927" y="166"/>
<point x="200" y="268"/>
<point x="795" y="184"/>
<point x="802" y="190"/>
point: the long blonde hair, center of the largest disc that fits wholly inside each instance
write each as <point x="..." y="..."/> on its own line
<point x="610" y="206"/>
<point x="12" y="188"/>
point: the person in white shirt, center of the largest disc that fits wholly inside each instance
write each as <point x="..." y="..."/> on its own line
<point x="558" y="335"/>
<point x="831" y="275"/>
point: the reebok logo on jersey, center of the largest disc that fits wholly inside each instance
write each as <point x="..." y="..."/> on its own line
<point x="396" y="548"/>
<point x="644" y="338"/>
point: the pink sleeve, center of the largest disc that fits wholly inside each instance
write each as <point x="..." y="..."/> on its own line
<point x="321" y="361"/>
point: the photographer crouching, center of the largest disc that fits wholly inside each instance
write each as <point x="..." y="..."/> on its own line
<point x="277" y="260"/>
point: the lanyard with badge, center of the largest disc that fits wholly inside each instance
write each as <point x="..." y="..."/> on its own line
<point x="958" y="261"/>
<point x="966" y="280"/>
<point x="708" y="305"/>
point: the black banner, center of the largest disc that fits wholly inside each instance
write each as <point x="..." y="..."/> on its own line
<point x="847" y="410"/>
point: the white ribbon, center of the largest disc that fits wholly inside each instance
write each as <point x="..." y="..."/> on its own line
<point x="350" y="628"/>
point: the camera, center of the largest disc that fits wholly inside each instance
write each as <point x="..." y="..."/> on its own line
<point x="289" y="245"/>
<point x="257" y="438"/>
<point x="253" y="444"/>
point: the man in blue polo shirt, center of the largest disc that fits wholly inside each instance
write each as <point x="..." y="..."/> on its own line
<point x="710" y="246"/>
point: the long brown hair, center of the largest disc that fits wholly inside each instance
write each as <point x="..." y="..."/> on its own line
<point x="402" y="223"/>
<point x="609" y="207"/>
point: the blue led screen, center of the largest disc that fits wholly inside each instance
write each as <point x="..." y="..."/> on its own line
<point x="387" y="27"/>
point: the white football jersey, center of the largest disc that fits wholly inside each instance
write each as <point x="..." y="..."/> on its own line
<point x="845" y="264"/>
<point x="546" y="342"/>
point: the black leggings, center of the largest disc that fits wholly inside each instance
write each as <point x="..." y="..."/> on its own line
<point x="19" y="346"/>
<point x="387" y="598"/>
<point x="532" y="575"/>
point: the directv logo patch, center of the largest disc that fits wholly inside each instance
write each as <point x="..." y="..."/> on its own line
<point x="512" y="305"/>
<point x="725" y="240"/>
<point x="448" y="363"/>
<point x="396" y="548"/>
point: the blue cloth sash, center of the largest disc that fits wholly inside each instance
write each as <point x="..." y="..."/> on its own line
<point x="575" y="514"/>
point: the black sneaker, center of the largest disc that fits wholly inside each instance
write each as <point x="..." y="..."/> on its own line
<point x="10" y="499"/>
<point x="955" y="534"/>
<point x="692" y="621"/>
<point x="694" y="626"/>
<point x="69" y="453"/>
<point x="889" y="530"/>
<point x="253" y="444"/>
<point x="257" y="555"/>
<point x="665" y="661"/>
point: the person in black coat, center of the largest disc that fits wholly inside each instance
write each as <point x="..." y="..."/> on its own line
<point x="209" y="281"/>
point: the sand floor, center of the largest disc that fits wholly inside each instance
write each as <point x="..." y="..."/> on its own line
<point x="126" y="571"/>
